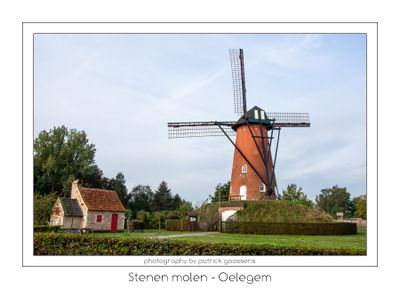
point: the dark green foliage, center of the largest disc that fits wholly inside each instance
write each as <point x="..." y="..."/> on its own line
<point x="94" y="178"/>
<point x="46" y="228"/>
<point x="292" y="193"/>
<point x="69" y="244"/>
<point x="221" y="190"/>
<point x="140" y="199"/>
<point x="333" y="200"/>
<point x="42" y="208"/>
<point x="290" y="228"/>
<point x="60" y="156"/>
<point x="118" y="184"/>
<point x="162" y="199"/>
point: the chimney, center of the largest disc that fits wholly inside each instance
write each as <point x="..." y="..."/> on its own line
<point x="75" y="194"/>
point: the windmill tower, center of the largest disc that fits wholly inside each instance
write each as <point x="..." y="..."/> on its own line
<point x="254" y="160"/>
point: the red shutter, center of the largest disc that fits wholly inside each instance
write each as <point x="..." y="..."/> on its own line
<point x="99" y="218"/>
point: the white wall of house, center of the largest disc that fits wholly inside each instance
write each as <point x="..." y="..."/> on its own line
<point x="72" y="222"/>
<point x="105" y="223"/>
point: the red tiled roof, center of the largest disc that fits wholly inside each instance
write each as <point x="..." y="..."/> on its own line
<point x="101" y="200"/>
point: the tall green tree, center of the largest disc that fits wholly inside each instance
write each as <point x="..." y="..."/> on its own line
<point x="333" y="200"/>
<point x="360" y="203"/>
<point x="221" y="190"/>
<point x="118" y="184"/>
<point x="140" y="198"/>
<point x="176" y="202"/>
<point x="292" y="193"/>
<point x="163" y="200"/>
<point x="61" y="155"/>
<point x="94" y="178"/>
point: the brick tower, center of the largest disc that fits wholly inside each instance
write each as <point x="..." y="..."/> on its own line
<point x="250" y="179"/>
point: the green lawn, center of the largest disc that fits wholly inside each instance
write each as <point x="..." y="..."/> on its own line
<point x="332" y="242"/>
<point x="357" y="242"/>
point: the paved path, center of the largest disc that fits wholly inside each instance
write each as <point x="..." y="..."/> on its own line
<point x="185" y="235"/>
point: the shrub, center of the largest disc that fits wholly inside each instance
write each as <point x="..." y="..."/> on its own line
<point x="180" y="225"/>
<point x="42" y="207"/>
<point x="290" y="228"/>
<point x="68" y="244"/>
<point x="46" y="228"/>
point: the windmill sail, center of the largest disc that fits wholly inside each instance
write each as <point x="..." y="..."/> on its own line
<point x="200" y="129"/>
<point x="212" y="128"/>
<point x="239" y="84"/>
<point x="289" y="119"/>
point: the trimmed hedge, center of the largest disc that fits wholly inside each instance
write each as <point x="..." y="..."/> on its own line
<point x="290" y="228"/>
<point x="67" y="244"/>
<point x="46" y="228"/>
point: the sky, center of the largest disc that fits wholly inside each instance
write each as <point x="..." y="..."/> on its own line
<point x="122" y="89"/>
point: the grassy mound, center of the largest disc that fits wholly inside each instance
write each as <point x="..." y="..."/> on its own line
<point x="271" y="211"/>
<point x="281" y="212"/>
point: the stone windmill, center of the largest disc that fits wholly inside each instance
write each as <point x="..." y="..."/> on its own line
<point x="254" y="161"/>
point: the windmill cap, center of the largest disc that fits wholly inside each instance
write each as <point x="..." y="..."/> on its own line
<point x="255" y="115"/>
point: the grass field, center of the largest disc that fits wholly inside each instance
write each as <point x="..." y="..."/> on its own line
<point x="351" y="242"/>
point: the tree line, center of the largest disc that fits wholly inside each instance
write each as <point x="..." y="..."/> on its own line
<point x="62" y="155"/>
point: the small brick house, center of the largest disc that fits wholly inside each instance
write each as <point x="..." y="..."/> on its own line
<point x="95" y="209"/>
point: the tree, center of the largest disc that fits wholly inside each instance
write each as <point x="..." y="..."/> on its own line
<point x="94" y="178"/>
<point x="144" y="217"/>
<point x="140" y="198"/>
<point x="176" y="202"/>
<point x="162" y="200"/>
<point x="334" y="200"/>
<point x="118" y="184"/>
<point x="42" y="208"/>
<point x="292" y="193"/>
<point x="60" y="156"/>
<point x="360" y="207"/>
<point x="184" y="209"/>
<point x="221" y="190"/>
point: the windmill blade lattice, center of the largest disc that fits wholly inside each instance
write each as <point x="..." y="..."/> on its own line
<point x="289" y="119"/>
<point x="239" y="84"/>
<point x="199" y="129"/>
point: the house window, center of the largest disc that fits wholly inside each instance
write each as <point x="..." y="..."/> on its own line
<point x="57" y="211"/>
<point x="262" y="113"/>
<point x="99" y="218"/>
<point x="244" y="169"/>
<point x="262" y="188"/>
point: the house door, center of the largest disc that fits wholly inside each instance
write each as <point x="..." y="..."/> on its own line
<point x="114" y="222"/>
<point x="243" y="193"/>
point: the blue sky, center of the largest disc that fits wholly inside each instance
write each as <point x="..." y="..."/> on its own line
<point x="122" y="89"/>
